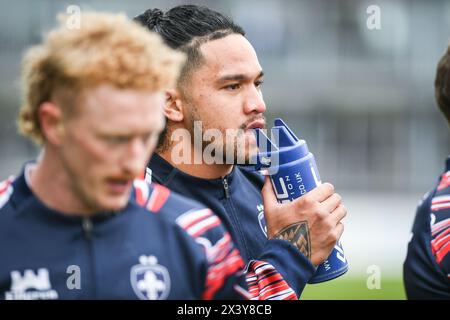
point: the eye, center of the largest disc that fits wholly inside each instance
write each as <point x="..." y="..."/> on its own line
<point x="117" y="139"/>
<point x="233" y="87"/>
<point x="259" y="83"/>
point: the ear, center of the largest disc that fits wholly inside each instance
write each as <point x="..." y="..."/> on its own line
<point x="51" y="122"/>
<point x="173" y="110"/>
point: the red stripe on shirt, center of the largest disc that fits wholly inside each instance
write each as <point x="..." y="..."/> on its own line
<point x="158" y="198"/>
<point x="445" y="181"/>
<point x="440" y="255"/>
<point x="440" y="240"/>
<point x="217" y="274"/>
<point x="194" y="217"/>
<point x="140" y="196"/>
<point x="215" y="222"/>
<point x="5" y="184"/>
<point x="266" y="283"/>
<point x="439" y="226"/>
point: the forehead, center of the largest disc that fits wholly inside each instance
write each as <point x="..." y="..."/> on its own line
<point x="111" y="108"/>
<point x="232" y="54"/>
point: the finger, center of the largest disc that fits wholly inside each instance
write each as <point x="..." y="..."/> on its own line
<point x="332" y="202"/>
<point x="321" y="192"/>
<point x="339" y="230"/>
<point x="339" y="213"/>
<point x="269" y="198"/>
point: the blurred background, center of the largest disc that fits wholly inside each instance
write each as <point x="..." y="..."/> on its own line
<point x="362" y="99"/>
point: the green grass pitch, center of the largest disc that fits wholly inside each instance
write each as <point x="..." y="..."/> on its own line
<point x="354" y="289"/>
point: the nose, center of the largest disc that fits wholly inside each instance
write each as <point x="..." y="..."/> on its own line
<point x="254" y="102"/>
<point x="134" y="160"/>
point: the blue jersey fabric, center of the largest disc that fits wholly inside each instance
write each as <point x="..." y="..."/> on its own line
<point x="141" y="252"/>
<point x="237" y="200"/>
<point x="426" y="269"/>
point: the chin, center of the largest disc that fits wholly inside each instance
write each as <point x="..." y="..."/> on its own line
<point x="114" y="203"/>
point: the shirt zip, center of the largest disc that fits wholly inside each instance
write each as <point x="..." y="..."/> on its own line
<point x="87" y="226"/>
<point x="235" y="221"/>
<point x="226" y="187"/>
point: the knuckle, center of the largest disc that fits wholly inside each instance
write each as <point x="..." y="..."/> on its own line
<point x="340" y="212"/>
<point x="329" y="186"/>
<point x="335" y="236"/>
<point x="328" y="225"/>
<point x="321" y="214"/>
<point x="305" y="201"/>
<point x="325" y="213"/>
<point x="344" y="209"/>
<point x="339" y="231"/>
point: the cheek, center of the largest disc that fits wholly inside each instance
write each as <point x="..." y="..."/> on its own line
<point x="216" y="109"/>
<point x="227" y="110"/>
<point x="214" y="112"/>
<point x="88" y="155"/>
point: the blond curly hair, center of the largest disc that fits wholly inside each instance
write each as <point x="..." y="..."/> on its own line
<point x="107" y="48"/>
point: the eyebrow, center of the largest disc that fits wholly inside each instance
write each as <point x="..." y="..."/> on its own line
<point x="237" y="77"/>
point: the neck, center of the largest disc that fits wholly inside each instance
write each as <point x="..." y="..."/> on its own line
<point x="196" y="166"/>
<point x="50" y="182"/>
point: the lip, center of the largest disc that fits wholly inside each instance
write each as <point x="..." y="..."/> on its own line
<point x="118" y="186"/>
<point x="257" y="124"/>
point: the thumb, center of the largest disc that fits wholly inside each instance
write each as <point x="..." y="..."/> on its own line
<point x="269" y="198"/>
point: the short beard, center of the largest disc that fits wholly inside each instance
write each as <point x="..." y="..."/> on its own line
<point x="238" y="157"/>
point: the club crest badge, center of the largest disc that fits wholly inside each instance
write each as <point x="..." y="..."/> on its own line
<point x="150" y="280"/>
<point x="261" y="219"/>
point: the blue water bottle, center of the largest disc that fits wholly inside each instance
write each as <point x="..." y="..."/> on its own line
<point x="293" y="172"/>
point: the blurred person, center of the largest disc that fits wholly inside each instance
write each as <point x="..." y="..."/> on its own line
<point x="426" y="270"/>
<point x="220" y="89"/>
<point x="77" y="223"/>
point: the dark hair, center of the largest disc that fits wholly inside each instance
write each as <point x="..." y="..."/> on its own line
<point x="442" y="84"/>
<point x="186" y="27"/>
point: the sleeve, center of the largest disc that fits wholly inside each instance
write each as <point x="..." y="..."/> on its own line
<point x="226" y="276"/>
<point x="427" y="265"/>
<point x="288" y="262"/>
<point x="440" y="232"/>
